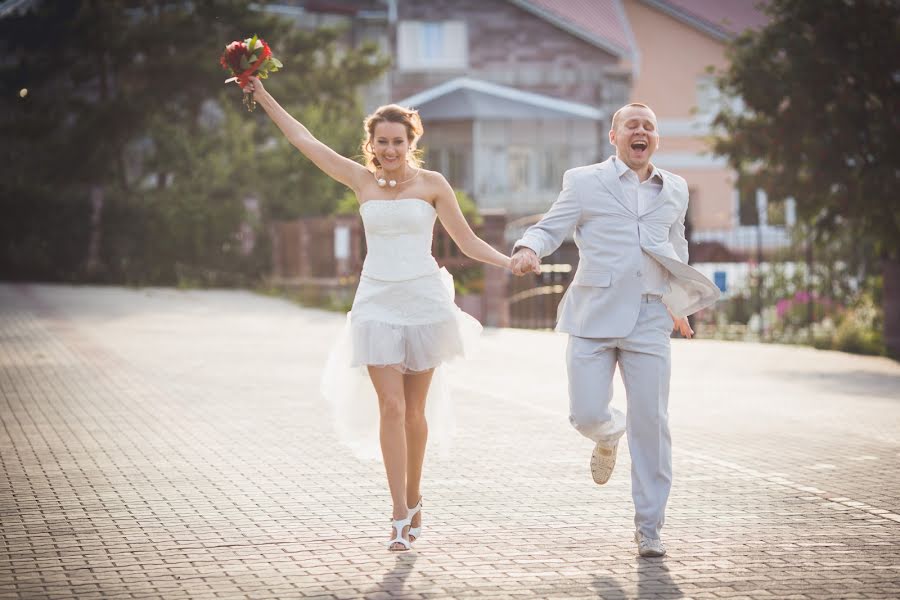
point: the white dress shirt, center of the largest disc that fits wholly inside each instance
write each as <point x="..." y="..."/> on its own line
<point x="639" y="195"/>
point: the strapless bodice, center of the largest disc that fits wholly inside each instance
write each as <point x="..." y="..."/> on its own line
<point x="398" y="239"/>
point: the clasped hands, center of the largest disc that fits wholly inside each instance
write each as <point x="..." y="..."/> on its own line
<point x="524" y="260"/>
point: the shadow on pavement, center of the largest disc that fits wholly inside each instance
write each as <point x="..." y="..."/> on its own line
<point x="655" y="580"/>
<point x="393" y="581"/>
<point x="608" y="588"/>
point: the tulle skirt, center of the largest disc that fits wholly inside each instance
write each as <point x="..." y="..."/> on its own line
<point x="410" y="326"/>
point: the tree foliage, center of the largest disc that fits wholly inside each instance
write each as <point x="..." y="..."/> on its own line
<point x="817" y="119"/>
<point x="125" y="101"/>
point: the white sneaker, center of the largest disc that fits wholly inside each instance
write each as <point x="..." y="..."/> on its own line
<point x="649" y="547"/>
<point x="603" y="460"/>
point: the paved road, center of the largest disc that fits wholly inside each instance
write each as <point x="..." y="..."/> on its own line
<point x="171" y="444"/>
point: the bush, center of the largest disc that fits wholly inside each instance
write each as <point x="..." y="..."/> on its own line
<point x="43" y="235"/>
<point x="860" y="330"/>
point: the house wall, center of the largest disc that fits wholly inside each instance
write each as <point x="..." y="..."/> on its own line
<point x="673" y="55"/>
<point x="512" y="47"/>
<point x="673" y="59"/>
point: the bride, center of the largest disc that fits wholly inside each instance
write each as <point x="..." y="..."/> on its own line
<point x="403" y="323"/>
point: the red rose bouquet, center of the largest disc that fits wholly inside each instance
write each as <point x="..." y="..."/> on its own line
<point x="247" y="58"/>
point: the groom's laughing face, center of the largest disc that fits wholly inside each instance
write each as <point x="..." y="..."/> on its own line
<point x="635" y="136"/>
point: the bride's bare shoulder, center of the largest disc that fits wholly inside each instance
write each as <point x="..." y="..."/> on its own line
<point x="433" y="177"/>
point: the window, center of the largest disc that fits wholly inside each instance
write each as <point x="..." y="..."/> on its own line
<point x="708" y="96"/>
<point x="452" y="163"/>
<point x="518" y="169"/>
<point x="423" y="45"/>
<point x="496" y="167"/>
<point x="456" y="168"/>
<point x="553" y="165"/>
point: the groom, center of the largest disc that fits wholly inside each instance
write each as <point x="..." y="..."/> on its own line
<point x="632" y="287"/>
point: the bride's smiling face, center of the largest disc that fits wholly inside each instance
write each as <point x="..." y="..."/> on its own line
<point x="390" y="145"/>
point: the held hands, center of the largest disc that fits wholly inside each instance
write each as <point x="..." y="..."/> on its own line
<point x="682" y="326"/>
<point x="525" y="261"/>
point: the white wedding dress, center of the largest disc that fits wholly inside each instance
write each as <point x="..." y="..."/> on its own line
<point x="403" y="317"/>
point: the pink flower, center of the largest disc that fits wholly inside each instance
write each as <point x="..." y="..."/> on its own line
<point x="782" y="306"/>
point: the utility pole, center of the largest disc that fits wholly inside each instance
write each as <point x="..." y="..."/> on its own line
<point x="761" y="220"/>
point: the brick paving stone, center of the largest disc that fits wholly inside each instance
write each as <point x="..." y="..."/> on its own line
<point x="159" y="443"/>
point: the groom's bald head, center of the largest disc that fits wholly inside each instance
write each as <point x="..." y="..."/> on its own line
<point x="617" y="116"/>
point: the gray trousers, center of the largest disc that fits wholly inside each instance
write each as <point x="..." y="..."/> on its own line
<point x="644" y="359"/>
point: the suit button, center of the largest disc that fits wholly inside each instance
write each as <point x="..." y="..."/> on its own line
<point x="639" y="274"/>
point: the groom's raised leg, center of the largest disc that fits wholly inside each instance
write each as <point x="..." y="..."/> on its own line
<point x="591" y="363"/>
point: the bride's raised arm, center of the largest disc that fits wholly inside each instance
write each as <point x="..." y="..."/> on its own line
<point x="333" y="164"/>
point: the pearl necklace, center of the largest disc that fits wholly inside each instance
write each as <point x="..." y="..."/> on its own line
<point x="393" y="182"/>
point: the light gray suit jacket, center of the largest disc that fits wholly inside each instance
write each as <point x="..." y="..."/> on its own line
<point x="604" y="298"/>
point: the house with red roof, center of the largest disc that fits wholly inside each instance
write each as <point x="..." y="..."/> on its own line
<point x="514" y="92"/>
<point x="676" y="42"/>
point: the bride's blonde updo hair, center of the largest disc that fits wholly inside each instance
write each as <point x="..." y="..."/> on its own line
<point x="393" y="113"/>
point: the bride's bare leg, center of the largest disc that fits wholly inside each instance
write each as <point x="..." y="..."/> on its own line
<point x="388" y="384"/>
<point x="415" y="388"/>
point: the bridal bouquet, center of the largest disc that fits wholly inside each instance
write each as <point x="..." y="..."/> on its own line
<point x="248" y="58"/>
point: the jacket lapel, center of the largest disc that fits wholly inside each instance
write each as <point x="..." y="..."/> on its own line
<point x="610" y="180"/>
<point x="660" y="198"/>
<point x="664" y="194"/>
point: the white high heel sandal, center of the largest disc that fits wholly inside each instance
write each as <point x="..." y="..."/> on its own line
<point x="398" y="525"/>
<point x="415" y="532"/>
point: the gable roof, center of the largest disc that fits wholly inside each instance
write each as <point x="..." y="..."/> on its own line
<point x="722" y="19"/>
<point x="464" y="98"/>
<point x="600" y="23"/>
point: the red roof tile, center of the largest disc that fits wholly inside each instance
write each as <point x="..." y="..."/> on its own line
<point x="729" y="16"/>
<point x="600" y="22"/>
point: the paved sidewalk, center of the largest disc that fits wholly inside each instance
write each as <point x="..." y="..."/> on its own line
<point x="167" y="444"/>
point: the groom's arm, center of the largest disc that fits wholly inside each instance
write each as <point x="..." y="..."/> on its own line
<point x="545" y="236"/>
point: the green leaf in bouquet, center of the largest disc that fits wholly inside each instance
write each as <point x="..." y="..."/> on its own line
<point x="271" y="65"/>
<point x="252" y="44"/>
<point x="244" y="64"/>
<point x="276" y="62"/>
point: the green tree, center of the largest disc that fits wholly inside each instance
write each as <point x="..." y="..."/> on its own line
<point x="817" y="121"/>
<point x="118" y="105"/>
